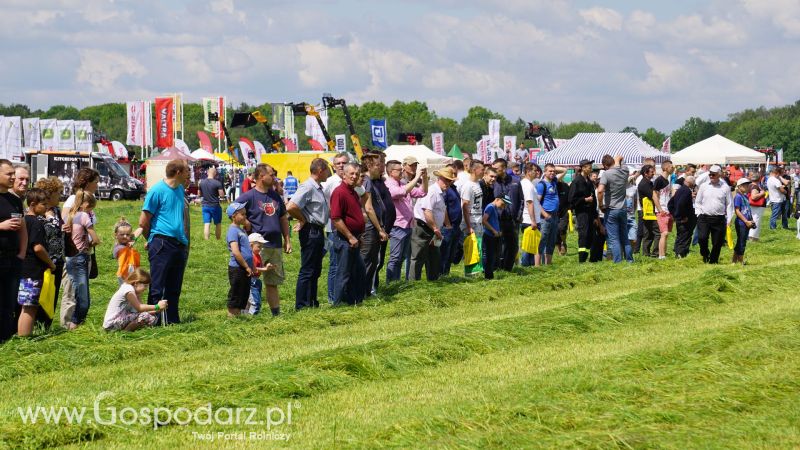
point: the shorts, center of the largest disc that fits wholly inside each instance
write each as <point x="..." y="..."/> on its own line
<point x="665" y="222"/>
<point x="29" y="290"/>
<point x="273" y="256"/>
<point x="212" y="214"/>
<point x="125" y="318"/>
<point x="239" y="292"/>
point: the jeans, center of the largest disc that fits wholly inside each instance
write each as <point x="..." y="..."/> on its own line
<point x="333" y="265"/>
<point x="312" y="250"/>
<point x="450" y="242"/>
<point x="381" y="262"/>
<point x="617" y="234"/>
<point x="255" y="295"/>
<point x="77" y="270"/>
<point x="778" y="212"/>
<point x="713" y="226"/>
<point x="549" y="234"/>
<point x="424" y="253"/>
<point x="742" y="233"/>
<point x="370" y="246"/>
<point x="399" y="251"/>
<point x="9" y="288"/>
<point x="351" y="278"/>
<point x="489" y="255"/>
<point x="526" y="259"/>
<point x="167" y="264"/>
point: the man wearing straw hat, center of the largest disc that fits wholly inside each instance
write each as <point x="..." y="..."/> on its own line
<point x="430" y="215"/>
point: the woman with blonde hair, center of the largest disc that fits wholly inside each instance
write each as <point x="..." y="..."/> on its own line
<point x="54" y="233"/>
<point x="75" y="304"/>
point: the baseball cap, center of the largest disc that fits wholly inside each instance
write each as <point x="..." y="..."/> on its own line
<point x="585" y="162"/>
<point x="256" y="237"/>
<point x="233" y="207"/>
<point x="507" y="200"/>
<point x="715" y="168"/>
<point x="743" y="181"/>
<point x="410" y="160"/>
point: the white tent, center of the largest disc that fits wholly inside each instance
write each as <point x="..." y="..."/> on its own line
<point x="718" y="150"/>
<point x="426" y="157"/>
<point x="204" y="155"/>
<point x="594" y="145"/>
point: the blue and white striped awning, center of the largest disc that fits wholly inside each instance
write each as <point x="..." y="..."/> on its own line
<point x="594" y="145"/>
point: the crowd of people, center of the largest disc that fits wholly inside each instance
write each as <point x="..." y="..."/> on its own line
<point x="364" y="217"/>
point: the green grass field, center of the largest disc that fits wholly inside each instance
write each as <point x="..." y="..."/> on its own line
<point x="671" y="354"/>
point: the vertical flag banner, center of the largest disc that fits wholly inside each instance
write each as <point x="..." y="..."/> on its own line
<point x="138" y="124"/>
<point x="437" y="141"/>
<point x="32" y="133"/>
<point x="509" y="144"/>
<point x="83" y="135"/>
<point x="341" y="143"/>
<point x="214" y="105"/>
<point x="494" y="133"/>
<point x="48" y="127"/>
<point x="378" y="132"/>
<point x="181" y="145"/>
<point x="13" y="138"/>
<point x="666" y="147"/>
<point x="485" y="151"/>
<point x="165" y="110"/>
<point x="288" y="115"/>
<point x="278" y="117"/>
<point x="205" y="142"/>
<point x="313" y="129"/>
<point x="177" y="114"/>
<point x="65" y="135"/>
<point x="260" y="149"/>
<point x="3" y="150"/>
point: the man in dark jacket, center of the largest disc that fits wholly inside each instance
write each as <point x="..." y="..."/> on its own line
<point x="682" y="210"/>
<point x="509" y="223"/>
<point x="583" y="202"/>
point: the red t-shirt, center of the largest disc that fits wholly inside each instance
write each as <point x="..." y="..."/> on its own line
<point x="346" y="205"/>
<point x="246" y="185"/>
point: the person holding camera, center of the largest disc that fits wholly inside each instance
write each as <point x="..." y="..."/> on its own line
<point x="744" y="219"/>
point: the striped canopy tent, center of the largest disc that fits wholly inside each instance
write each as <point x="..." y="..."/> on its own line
<point x="594" y="145"/>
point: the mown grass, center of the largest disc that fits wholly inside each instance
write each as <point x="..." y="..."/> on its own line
<point x="670" y="354"/>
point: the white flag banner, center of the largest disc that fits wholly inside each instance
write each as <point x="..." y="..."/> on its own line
<point x="120" y="152"/>
<point x="484" y="150"/>
<point x="65" y="135"/>
<point x="31" y="133"/>
<point x="288" y="121"/>
<point x="260" y="150"/>
<point x="181" y="145"/>
<point x="213" y="105"/>
<point x="509" y="144"/>
<point x="13" y="139"/>
<point x="83" y="135"/>
<point x="313" y="129"/>
<point x="494" y="132"/>
<point x="3" y="151"/>
<point x="139" y="124"/>
<point x="48" y="130"/>
<point x="437" y="140"/>
<point x="341" y="143"/>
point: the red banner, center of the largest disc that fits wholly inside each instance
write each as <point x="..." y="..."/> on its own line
<point x="164" y="121"/>
<point x="205" y="142"/>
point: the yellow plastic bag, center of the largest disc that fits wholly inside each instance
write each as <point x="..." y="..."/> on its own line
<point x="530" y="240"/>
<point x="47" y="295"/>
<point x="571" y="225"/>
<point x="729" y="237"/>
<point x="471" y="253"/>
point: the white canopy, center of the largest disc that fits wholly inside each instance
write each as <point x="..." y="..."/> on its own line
<point x="202" y="154"/>
<point x="718" y="150"/>
<point x="426" y="157"/>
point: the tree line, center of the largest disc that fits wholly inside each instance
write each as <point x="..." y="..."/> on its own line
<point x="777" y="127"/>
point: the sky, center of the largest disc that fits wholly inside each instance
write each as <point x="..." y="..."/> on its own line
<point x="619" y="63"/>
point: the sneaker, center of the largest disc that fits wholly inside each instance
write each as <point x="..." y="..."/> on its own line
<point x="660" y="258"/>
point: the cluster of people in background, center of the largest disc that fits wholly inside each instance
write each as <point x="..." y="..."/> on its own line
<point x="370" y="218"/>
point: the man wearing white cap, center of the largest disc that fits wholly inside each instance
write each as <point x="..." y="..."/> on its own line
<point x="430" y="215"/>
<point x="711" y="205"/>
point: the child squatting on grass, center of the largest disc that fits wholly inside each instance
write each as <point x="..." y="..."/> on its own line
<point x="128" y="259"/>
<point x="125" y="311"/>
<point x="36" y="261"/>
<point x="241" y="267"/>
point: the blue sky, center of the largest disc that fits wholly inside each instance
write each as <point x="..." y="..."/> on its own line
<point x="620" y="63"/>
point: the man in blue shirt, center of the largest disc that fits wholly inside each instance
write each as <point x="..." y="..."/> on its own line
<point x="165" y="224"/>
<point x="547" y="190"/>
<point x="290" y="185"/>
<point x="452" y="236"/>
<point x="492" y="233"/>
<point x="266" y="215"/>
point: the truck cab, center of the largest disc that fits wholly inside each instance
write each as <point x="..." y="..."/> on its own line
<point x="115" y="183"/>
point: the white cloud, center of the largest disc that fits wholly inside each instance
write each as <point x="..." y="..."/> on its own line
<point x="785" y="14"/>
<point x="605" y="18"/>
<point x="101" y="69"/>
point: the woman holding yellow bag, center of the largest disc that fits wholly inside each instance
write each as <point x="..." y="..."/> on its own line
<point x="53" y="228"/>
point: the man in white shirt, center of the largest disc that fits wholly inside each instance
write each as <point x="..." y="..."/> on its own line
<point x="472" y="211"/>
<point x="711" y="205"/>
<point x="777" y="198"/>
<point x="531" y="210"/>
<point x="430" y="215"/>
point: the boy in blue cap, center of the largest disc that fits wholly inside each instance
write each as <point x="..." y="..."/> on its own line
<point x="241" y="262"/>
<point x="491" y="234"/>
